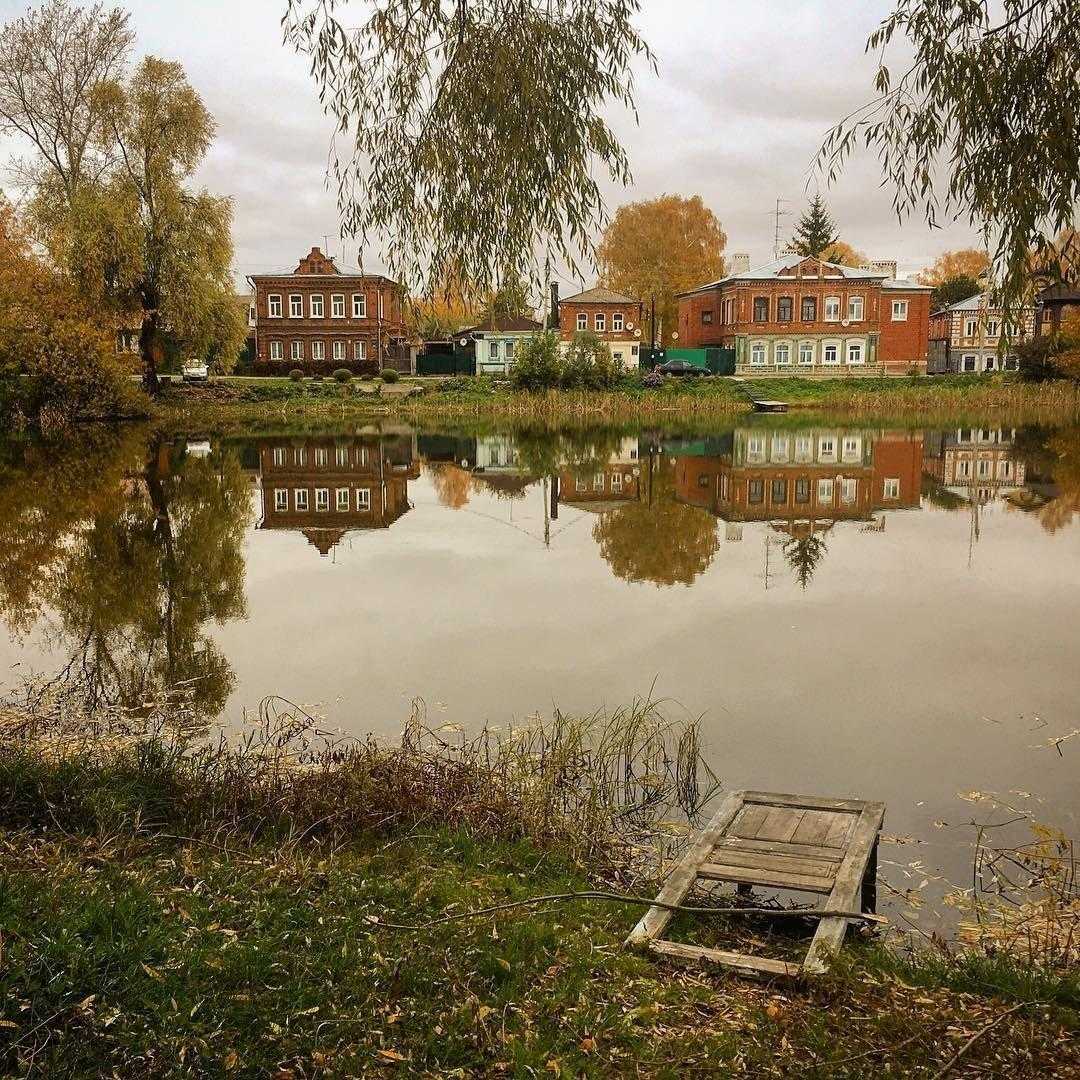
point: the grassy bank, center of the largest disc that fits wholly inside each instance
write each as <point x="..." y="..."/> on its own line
<point x="700" y="398"/>
<point x="171" y="906"/>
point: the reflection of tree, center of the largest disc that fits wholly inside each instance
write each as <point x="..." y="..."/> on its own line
<point x="665" y="542"/>
<point x="804" y="553"/>
<point x="1059" y="511"/>
<point x="131" y="587"/>
<point x="452" y="484"/>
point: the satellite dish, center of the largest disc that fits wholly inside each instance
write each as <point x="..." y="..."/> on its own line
<point x="675" y="335"/>
<point x="464" y="342"/>
<point x="637" y="332"/>
<point x="629" y="326"/>
<point x="845" y="322"/>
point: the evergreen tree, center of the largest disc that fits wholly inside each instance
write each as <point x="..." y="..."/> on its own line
<point x="815" y="230"/>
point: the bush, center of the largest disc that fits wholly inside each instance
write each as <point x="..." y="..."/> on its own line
<point x="342" y="375"/>
<point x="538" y="365"/>
<point x="296" y="374"/>
<point x="389" y="375"/>
<point x="588" y="364"/>
<point x="317" y="377"/>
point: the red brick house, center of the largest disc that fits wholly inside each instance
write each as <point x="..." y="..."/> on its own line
<point x="318" y="318"/>
<point x="614" y="318"/>
<point x="803" y="316"/>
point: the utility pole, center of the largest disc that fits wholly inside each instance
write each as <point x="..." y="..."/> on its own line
<point x="778" y="214"/>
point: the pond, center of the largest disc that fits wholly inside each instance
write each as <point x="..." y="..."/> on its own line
<point x="876" y="612"/>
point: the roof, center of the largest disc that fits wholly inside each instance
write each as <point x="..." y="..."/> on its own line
<point x="598" y="295"/>
<point x="972" y="303"/>
<point x="774" y="271"/>
<point x="1061" y="294"/>
<point x="519" y="323"/>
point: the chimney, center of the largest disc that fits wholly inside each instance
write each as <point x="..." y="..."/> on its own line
<point x="881" y="266"/>
<point x="553" y="315"/>
<point x="739" y="263"/>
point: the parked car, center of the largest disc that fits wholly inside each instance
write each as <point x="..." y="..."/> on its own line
<point x="680" y="367"/>
<point x="195" y="371"/>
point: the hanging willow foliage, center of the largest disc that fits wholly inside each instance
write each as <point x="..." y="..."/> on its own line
<point x="990" y="99"/>
<point x="472" y="128"/>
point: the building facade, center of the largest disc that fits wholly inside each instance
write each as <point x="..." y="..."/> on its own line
<point x="317" y="318"/>
<point x="497" y="341"/>
<point x="803" y="316"/>
<point x="612" y="317"/>
<point x="965" y="338"/>
<point x="979" y="465"/>
<point x="1055" y="304"/>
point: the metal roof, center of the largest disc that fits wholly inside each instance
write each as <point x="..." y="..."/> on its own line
<point x="598" y="295"/>
<point x="771" y="271"/>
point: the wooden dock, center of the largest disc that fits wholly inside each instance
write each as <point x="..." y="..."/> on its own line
<point x="801" y="843"/>
<point x="767" y="405"/>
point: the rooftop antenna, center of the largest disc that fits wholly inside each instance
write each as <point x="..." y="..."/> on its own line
<point x="778" y="213"/>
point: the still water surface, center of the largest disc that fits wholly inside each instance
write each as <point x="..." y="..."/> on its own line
<point x="888" y="614"/>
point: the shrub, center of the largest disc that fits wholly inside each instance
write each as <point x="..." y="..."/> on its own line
<point x="538" y="365"/>
<point x="589" y="364"/>
<point x="296" y="374"/>
<point x="342" y="375"/>
<point x="317" y="377"/>
<point x="389" y="375"/>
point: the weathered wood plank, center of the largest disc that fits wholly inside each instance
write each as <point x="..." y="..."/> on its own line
<point x="772" y="860"/>
<point x="775" y="879"/>
<point x="653" y="923"/>
<point x="815" y="851"/>
<point x="829" y="935"/>
<point x="763" y="965"/>
<point x="803" y="802"/>
<point x="839" y="831"/>
<point x="814" y="826"/>
<point x="749" y="821"/>
<point x="780" y="824"/>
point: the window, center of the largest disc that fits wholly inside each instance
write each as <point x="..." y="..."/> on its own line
<point x="783" y="354"/>
<point x="279" y="456"/>
<point x="296" y="306"/>
<point x="827" y="448"/>
<point x="849" y="489"/>
<point x="832" y="308"/>
<point x="580" y="485"/>
<point x="784" y="309"/>
<point x="508" y="349"/>
<point x="617" y="322"/>
<point x="854" y="352"/>
<point x="322" y="500"/>
<point x="706" y="318"/>
<point x="729" y="310"/>
<point x="316" y="303"/>
<point x="296" y="350"/>
<point x="598" y="481"/>
<point x="809" y="309"/>
<point x="761" y="309"/>
<point x="337" y="306"/>
<point x="991" y="328"/>
<point x="969" y="363"/>
<point x="757" y="353"/>
<point x="852" y="448"/>
<point x="806" y="353"/>
<point x="321" y="457"/>
<point x="281" y="499"/>
<point x="802" y="489"/>
<point x="318" y="350"/>
<point x="755" y="491"/>
<point x="300" y="502"/>
<point x="600" y="322"/>
<point x="342" y="500"/>
<point x="358" y="350"/>
<point x="341" y="456"/>
<point x="493" y="350"/>
<point x="339" y="350"/>
<point x="582" y="320"/>
<point x="804" y="448"/>
<point x="989" y="364"/>
<point x="363" y="499"/>
<point x="755" y="449"/>
<point x="780" y="447"/>
<point x="1004" y="469"/>
<point x="778" y="492"/>
<point x="899" y="311"/>
<point x="299" y="455"/>
<point x="273" y="306"/>
<point x="831" y="353"/>
<point x="277" y="350"/>
<point x="855" y="308"/>
<point x="984" y="468"/>
<point x="359" y="306"/>
<point x="825" y="492"/>
<point x="616" y="482"/>
<point x="892" y="488"/>
<point x="970" y="327"/>
<point x="1011" y="363"/>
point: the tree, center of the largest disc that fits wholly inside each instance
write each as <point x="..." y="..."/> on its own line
<point x="510" y="300"/>
<point x="538" y="363"/>
<point x="140" y="240"/>
<point x="954" y="289"/>
<point x="966" y="262"/>
<point x="54" y="60"/>
<point x="815" y="231"/>
<point x="842" y="253"/>
<point x="474" y="131"/>
<point x="659" y="248"/>
<point x="804" y="551"/>
<point x="588" y="364"/>
<point x="989" y="103"/>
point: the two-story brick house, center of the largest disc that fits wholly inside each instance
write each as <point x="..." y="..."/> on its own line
<point x="965" y="337"/>
<point x="804" y="316"/>
<point x="318" y="318"/>
<point x="614" y="318"/>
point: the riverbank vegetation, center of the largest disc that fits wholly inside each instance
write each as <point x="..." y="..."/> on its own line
<point x="284" y="903"/>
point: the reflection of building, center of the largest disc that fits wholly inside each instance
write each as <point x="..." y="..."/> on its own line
<point x="603" y="487"/>
<point x="976" y="464"/>
<point x="325" y="487"/>
<point x="816" y="475"/>
<point x="964" y="338"/>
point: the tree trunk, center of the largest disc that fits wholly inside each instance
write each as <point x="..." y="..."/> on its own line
<point x="148" y="345"/>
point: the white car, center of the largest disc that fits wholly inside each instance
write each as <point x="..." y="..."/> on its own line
<point x="195" y="371"/>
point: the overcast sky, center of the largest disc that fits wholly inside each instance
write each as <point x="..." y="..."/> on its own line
<point x="744" y="94"/>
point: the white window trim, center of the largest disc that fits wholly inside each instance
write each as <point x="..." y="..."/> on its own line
<point x="338" y="500"/>
<point x="862" y="352"/>
<point x="339" y="350"/>
<point x="322" y="500"/>
<point x="899" y="311"/>
<point x="299" y="298"/>
<point x="835" y="317"/>
<point x="322" y="306"/>
<point x="852" y="302"/>
<point x="270" y="306"/>
<point x="763" y="346"/>
<point x="277" y="350"/>
<point x="363" y="499"/>
<point x="824" y="493"/>
<point x="333" y="298"/>
<point x="583" y="320"/>
<point x="891" y="488"/>
<point x="281" y="500"/>
<point x="825" y="346"/>
<point x="813" y="354"/>
<point x="359" y="309"/>
<point x="617" y="322"/>
<point x="318" y="351"/>
<point x="296" y="350"/>
<point x="300" y="500"/>
<point x="777" y="346"/>
<point x="359" y="350"/>
<point x="600" y="322"/>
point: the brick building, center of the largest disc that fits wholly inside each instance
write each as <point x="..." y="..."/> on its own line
<point x="614" y="318"/>
<point x="964" y="337"/>
<point x="803" y="316"/>
<point x="318" y="318"/>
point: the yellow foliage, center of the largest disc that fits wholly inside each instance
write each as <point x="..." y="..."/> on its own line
<point x="965" y="262"/>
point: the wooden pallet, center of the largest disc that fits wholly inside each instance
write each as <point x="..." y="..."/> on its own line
<point x="798" y="842"/>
